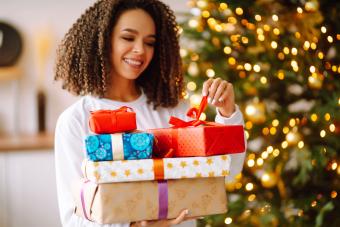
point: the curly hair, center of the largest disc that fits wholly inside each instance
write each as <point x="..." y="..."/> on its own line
<point x="83" y="57"/>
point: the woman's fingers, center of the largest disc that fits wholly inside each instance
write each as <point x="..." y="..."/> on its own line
<point x="180" y="217"/>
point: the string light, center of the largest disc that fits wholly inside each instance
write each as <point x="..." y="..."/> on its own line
<point x="227" y="50"/>
<point x="251" y="197"/>
<point x="259" y="162"/>
<point x="332" y="127"/>
<point x="299" y="10"/>
<point x="258" y="17"/>
<point x="276" y="31"/>
<point x="330" y="39"/>
<point x="257" y="68"/>
<point x="273" y="44"/>
<point x="228" y="221"/>
<point x="249" y="186"/>
<point x="239" y="11"/>
<point x="275" y="17"/>
<point x="210" y="73"/>
<point x="322" y="133"/>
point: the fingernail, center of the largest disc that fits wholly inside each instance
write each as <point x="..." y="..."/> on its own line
<point x="209" y="100"/>
<point x="220" y="99"/>
<point x="186" y="211"/>
<point x="204" y="93"/>
<point x="213" y="102"/>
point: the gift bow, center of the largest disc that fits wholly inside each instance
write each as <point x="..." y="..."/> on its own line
<point x="192" y="113"/>
<point x="122" y="109"/>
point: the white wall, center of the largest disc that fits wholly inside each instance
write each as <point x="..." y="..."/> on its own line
<point x="34" y="18"/>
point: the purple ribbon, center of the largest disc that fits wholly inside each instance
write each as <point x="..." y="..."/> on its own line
<point x="83" y="200"/>
<point x="162" y="199"/>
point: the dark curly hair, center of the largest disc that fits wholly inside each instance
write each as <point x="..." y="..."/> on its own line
<point x="83" y="57"/>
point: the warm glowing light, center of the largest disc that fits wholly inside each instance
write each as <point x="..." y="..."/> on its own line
<point x="227" y="50"/>
<point x="314" y="117"/>
<point x="323" y="29"/>
<point x="259" y="31"/>
<point x="249" y="186"/>
<point x="264" y="155"/>
<point x="332" y="127"/>
<point x="286" y="50"/>
<point x="275" y="17"/>
<point x="312" y="69"/>
<point x="276" y="31"/>
<point x="239" y="11"/>
<point x="251" y="162"/>
<point x="261" y="37"/>
<point x="334" y="194"/>
<point x="244" y="40"/>
<point x="294" y="51"/>
<point x="330" y="39"/>
<point x="276" y="152"/>
<point x="281" y="75"/>
<point x="193" y="23"/>
<point x="322" y="133"/>
<point x="223" y="6"/>
<point x="259" y="161"/>
<point x="247" y="66"/>
<point x="299" y="10"/>
<point x="301" y="144"/>
<point x="258" y="17"/>
<point x="273" y="44"/>
<point x="263" y="80"/>
<point x="327" y="116"/>
<point x="313" y="46"/>
<point x="257" y="68"/>
<point x="272" y="131"/>
<point x="232" y="61"/>
<point x="334" y="165"/>
<point x="210" y="73"/>
<point x="320" y="55"/>
<point x="306" y="45"/>
<point x="251" y="197"/>
<point x="205" y="14"/>
<point x="285" y="130"/>
<point x="284" y="144"/>
<point x="191" y="86"/>
<point x="292" y="122"/>
<point x="228" y="221"/>
<point x="275" y="122"/>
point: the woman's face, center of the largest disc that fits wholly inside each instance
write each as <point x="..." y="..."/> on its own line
<point x="133" y="41"/>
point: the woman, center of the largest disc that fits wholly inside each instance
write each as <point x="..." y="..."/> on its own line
<point x="123" y="53"/>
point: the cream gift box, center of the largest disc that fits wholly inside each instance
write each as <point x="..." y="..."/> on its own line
<point x="156" y="169"/>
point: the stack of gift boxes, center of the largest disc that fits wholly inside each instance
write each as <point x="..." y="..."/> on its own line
<point x="132" y="176"/>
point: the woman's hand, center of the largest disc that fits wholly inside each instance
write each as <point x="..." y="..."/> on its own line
<point x="163" y="223"/>
<point x="220" y="94"/>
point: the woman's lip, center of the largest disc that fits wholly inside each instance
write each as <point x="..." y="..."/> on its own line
<point x="135" y="63"/>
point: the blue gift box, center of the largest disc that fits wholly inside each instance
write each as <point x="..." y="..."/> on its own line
<point x="119" y="146"/>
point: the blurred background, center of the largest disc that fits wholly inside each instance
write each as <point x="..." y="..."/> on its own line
<point x="282" y="58"/>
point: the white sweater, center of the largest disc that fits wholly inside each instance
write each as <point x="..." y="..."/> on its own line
<point x="72" y="127"/>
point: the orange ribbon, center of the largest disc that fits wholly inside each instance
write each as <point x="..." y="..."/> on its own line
<point x="158" y="169"/>
<point x="121" y="109"/>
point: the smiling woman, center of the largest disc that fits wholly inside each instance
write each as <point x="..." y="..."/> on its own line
<point x="124" y="53"/>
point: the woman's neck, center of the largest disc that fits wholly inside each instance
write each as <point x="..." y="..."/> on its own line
<point x="123" y="90"/>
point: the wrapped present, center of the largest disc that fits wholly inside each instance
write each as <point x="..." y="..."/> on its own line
<point x="198" y="141"/>
<point x="150" y="200"/>
<point x="119" y="146"/>
<point x="156" y="169"/>
<point x="112" y="121"/>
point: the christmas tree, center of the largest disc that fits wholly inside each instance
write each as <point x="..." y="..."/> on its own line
<point x="283" y="59"/>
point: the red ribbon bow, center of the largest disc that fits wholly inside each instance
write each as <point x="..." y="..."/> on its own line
<point x="192" y="113"/>
<point x="121" y="109"/>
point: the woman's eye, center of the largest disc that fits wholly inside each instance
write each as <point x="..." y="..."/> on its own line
<point x="127" y="38"/>
<point x="151" y="44"/>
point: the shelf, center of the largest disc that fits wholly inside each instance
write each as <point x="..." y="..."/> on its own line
<point x="26" y="142"/>
<point x="9" y="73"/>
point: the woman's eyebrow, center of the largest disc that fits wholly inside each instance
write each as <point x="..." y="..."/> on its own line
<point x="136" y="32"/>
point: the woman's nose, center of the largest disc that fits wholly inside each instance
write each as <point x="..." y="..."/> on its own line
<point x="138" y="48"/>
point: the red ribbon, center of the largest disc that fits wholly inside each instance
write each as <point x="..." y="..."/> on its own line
<point x="121" y="109"/>
<point x="192" y="113"/>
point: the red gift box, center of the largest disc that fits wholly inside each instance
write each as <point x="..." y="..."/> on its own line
<point x="112" y="121"/>
<point x="185" y="139"/>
